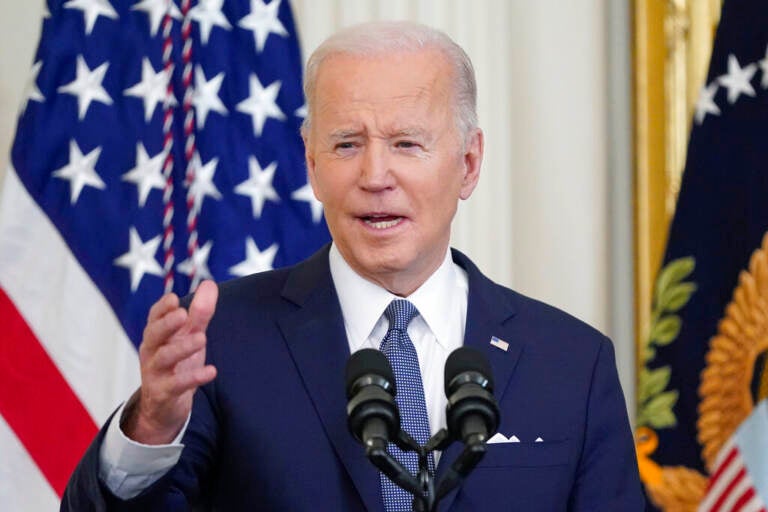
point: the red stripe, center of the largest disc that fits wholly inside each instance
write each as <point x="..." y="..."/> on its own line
<point x="744" y="498"/>
<point x="38" y="403"/>
<point x="727" y="491"/>
<point x="722" y="467"/>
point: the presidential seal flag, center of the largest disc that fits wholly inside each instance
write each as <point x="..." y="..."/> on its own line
<point x="157" y="145"/>
<point x="704" y="378"/>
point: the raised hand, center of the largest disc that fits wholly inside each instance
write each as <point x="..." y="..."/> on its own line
<point x="172" y="358"/>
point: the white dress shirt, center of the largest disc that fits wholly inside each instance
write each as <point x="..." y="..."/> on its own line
<point x="128" y="467"/>
<point x="436" y="331"/>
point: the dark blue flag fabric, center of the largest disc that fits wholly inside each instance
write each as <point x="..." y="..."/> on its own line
<point x="157" y="145"/>
<point x="703" y="368"/>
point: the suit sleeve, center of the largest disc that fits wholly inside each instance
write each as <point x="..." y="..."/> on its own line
<point x="607" y="477"/>
<point x="182" y="488"/>
<point x="84" y="491"/>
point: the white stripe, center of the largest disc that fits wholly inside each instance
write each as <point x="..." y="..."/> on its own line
<point x="743" y="485"/>
<point x="725" y="479"/>
<point x="724" y="451"/>
<point x="23" y="488"/>
<point x="62" y="306"/>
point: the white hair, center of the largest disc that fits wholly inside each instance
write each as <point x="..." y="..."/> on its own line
<point x="382" y="37"/>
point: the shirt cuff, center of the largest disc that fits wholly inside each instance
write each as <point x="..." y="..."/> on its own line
<point x="128" y="468"/>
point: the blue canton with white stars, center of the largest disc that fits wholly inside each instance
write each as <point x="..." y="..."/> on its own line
<point x="89" y="146"/>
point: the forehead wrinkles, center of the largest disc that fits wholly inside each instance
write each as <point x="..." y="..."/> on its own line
<point x="357" y="76"/>
<point x="356" y="100"/>
<point x="404" y="113"/>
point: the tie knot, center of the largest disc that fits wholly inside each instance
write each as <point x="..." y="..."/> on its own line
<point x="400" y="312"/>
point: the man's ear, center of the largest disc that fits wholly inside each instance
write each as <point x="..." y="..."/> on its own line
<point x="473" y="160"/>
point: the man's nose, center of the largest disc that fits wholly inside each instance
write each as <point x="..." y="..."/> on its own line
<point x="376" y="171"/>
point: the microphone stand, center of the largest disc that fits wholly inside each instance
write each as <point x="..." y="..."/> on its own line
<point x="425" y="494"/>
<point x="473" y="453"/>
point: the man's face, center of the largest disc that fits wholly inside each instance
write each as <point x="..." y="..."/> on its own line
<point x="387" y="162"/>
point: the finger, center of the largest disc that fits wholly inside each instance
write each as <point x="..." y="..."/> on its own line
<point x="181" y="382"/>
<point x="170" y="354"/>
<point x="166" y="303"/>
<point x="202" y="307"/>
<point x="160" y="331"/>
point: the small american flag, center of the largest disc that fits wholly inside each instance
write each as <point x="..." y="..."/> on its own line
<point x="740" y="474"/>
<point x="499" y="343"/>
<point x="157" y="145"/>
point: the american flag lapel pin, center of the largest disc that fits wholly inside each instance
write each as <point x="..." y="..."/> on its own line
<point x="499" y="343"/>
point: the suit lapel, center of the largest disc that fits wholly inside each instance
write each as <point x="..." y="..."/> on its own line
<point x="316" y="337"/>
<point x="487" y="310"/>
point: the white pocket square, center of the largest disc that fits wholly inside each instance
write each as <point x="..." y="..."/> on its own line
<point x="501" y="438"/>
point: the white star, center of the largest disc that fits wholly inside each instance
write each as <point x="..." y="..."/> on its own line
<point x="706" y="102"/>
<point x="206" y="96"/>
<point x="92" y="9"/>
<point x="263" y="21"/>
<point x="305" y="194"/>
<point x="261" y="105"/>
<point x="255" y="260"/>
<point x="737" y="79"/>
<point x="208" y="13"/>
<point x="301" y="111"/>
<point x="147" y="174"/>
<point x="80" y="171"/>
<point x="140" y="258"/>
<point x="259" y="186"/>
<point x="152" y="88"/>
<point x="196" y="267"/>
<point x="203" y="183"/>
<point x="156" y="10"/>
<point x="764" y="67"/>
<point x="33" y="92"/>
<point x="87" y="86"/>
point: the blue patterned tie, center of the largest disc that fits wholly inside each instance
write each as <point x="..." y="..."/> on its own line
<point x="399" y="349"/>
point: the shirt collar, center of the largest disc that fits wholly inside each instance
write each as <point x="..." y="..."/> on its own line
<point x="363" y="302"/>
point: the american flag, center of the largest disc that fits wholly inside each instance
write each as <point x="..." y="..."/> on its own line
<point x="158" y="144"/>
<point x="740" y="474"/>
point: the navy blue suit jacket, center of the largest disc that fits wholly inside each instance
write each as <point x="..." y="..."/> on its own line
<point x="269" y="433"/>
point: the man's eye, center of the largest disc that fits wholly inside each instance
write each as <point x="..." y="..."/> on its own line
<point x="406" y="144"/>
<point x="344" y="145"/>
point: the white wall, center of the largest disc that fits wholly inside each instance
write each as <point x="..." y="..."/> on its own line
<point x="539" y="220"/>
<point x="19" y="32"/>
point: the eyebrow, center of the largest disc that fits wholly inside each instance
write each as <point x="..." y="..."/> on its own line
<point x="345" y="134"/>
<point x="408" y="131"/>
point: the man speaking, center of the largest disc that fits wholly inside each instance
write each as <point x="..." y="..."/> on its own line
<point x="242" y="403"/>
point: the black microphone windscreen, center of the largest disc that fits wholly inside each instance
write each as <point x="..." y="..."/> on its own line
<point x="367" y="361"/>
<point x="466" y="359"/>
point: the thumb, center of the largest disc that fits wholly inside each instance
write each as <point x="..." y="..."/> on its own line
<point x="202" y="307"/>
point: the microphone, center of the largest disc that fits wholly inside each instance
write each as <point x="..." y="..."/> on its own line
<point x="373" y="417"/>
<point x="472" y="412"/>
<point x="372" y="414"/>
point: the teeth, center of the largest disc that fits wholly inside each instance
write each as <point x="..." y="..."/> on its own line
<point x="382" y="224"/>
